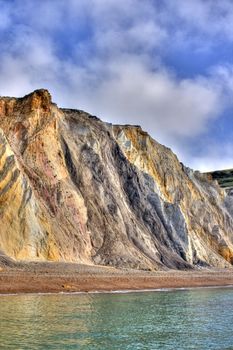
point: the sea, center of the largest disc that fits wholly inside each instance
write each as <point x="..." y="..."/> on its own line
<point x="197" y="319"/>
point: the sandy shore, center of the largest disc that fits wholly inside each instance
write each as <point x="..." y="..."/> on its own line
<point x="61" y="277"/>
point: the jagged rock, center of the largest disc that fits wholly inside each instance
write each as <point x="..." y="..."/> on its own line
<point x="73" y="188"/>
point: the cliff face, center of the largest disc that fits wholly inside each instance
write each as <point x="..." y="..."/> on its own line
<point x="77" y="189"/>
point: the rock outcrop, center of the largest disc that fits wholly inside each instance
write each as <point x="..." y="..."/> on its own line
<point x="73" y="188"/>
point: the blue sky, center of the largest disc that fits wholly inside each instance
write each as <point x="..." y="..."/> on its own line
<point x="164" y="64"/>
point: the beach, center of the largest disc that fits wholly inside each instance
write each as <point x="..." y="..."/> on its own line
<point x="67" y="277"/>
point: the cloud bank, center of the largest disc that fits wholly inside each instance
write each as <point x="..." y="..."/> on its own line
<point x="121" y="60"/>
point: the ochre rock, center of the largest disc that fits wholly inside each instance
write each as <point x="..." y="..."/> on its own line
<point x="73" y="188"/>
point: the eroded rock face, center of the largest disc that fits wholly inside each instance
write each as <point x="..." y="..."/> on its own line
<point x="74" y="188"/>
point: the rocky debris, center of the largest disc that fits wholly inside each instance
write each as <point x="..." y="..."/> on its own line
<point x="6" y="261"/>
<point x="76" y="189"/>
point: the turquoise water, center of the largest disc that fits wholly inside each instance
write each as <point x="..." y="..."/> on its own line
<point x="176" y="320"/>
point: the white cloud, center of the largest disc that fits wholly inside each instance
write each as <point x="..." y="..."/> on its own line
<point x="118" y="72"/>
<point x="205" y="16"/>
<point x="157" y="100"/>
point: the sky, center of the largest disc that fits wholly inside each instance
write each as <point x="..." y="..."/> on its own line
<point x="166" y="65"/>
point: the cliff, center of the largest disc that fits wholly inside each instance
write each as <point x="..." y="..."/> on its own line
<point x="73" y="188"/>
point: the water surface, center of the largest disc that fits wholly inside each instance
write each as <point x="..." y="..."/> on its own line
<point x="191" y="319"/>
